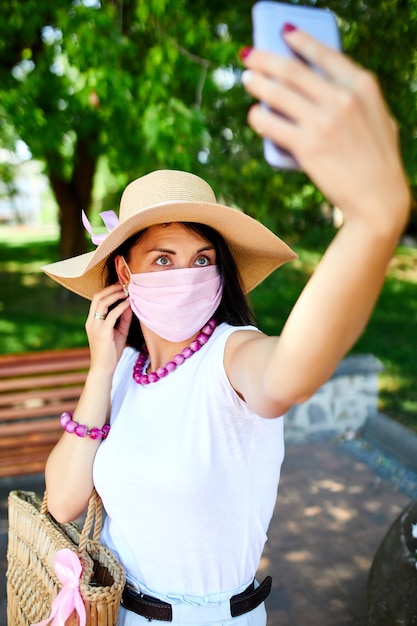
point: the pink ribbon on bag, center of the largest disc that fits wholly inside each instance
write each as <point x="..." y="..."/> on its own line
<point x="110" y="220"/>
<point x="68" y="569"/>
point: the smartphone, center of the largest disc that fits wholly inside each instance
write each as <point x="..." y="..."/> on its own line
<point x="268" y="19"/>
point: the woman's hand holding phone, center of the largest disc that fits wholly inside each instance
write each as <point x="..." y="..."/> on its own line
<point x="334" y="122"/>
<point x="329" y="114"/>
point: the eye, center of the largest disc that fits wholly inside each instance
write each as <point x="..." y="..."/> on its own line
<point x="202" y="261"/>
<point x="162" y="260"/>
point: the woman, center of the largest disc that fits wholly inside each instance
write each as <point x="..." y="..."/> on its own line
<point x="188" y="472"/>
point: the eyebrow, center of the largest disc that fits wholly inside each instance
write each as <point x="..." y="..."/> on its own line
<point x="168" y="251"/>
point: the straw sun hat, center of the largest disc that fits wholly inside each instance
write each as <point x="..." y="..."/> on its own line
<point x="171" y="196"/>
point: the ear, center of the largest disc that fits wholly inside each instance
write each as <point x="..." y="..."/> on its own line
<point x="122" y="270"/>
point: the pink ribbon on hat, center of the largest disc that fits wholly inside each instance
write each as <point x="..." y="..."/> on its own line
<point x="68" y="569"/>
<point x="110" y="220"/>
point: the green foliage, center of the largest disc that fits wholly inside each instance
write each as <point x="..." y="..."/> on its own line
<point x="35" y="313"/>
<point x="156" y="84"/>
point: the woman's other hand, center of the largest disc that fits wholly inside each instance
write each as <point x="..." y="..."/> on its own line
<point x="107" y="339"/>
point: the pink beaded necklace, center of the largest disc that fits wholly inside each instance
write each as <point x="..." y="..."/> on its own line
<point x="186" y="353"/>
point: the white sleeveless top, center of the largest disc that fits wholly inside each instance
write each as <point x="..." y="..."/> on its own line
<point x="188" y="476"/>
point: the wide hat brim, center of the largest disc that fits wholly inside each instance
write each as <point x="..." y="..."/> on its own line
<point x="256" y="250"/>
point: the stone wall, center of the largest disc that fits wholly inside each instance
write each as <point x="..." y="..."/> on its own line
<point x="341" y="405"/>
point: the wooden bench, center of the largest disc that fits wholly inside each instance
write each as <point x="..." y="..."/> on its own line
<point x="35" y="389"/>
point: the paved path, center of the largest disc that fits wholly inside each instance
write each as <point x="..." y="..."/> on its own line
<point x="331" y="514"/>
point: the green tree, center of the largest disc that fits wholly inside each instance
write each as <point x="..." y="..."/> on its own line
<point x="80" y="82"/>
<point x="155" y="84"/>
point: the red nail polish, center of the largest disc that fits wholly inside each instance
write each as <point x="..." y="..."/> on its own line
<point x="288" y="28"/>
<point x="244" y="52"/>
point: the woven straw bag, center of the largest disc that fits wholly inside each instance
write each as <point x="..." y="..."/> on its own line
<point x="32" y="584"/>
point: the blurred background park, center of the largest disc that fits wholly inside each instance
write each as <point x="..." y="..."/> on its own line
<point x="96" y="93"/>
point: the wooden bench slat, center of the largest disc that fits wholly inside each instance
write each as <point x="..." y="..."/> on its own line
<point x="28" y="430"/>
<point x="27" y="399"/>
<point x="48" y="410"/>
<point x="24" y="453"/>
<point x="15" y="445"/>
<point x="22" y="369"/>
<point x="39" y="458"/>
<point x="28" y="456"/>
<point x="18" y="470"/>
<point x="33" y="464"/>
<point x="35" y="382"/>
<point x="68" y="354"/>
<point x="35" y="389"/>
<point x="49" y="356"/>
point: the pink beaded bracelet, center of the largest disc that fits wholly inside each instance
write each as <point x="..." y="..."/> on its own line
<point x="82" y="431"/>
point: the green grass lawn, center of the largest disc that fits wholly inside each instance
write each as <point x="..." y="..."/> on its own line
<point x="36" y="314"/>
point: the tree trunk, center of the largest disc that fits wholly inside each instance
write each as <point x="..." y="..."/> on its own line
<point x="73" y="196"/>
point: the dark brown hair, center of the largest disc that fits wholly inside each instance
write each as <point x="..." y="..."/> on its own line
<point x="233" y="308"/>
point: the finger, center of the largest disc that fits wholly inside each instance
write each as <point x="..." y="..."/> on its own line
<point x="336" y="65"/>
<point x="125" y="320"/>
<point x="291" y="73"/>
<point x="274" y="127"/>
<point x="104" y="299"/>
<point x="102" y="334"/>
<point x="117" y="312"/>
<point x="277" y="96"/>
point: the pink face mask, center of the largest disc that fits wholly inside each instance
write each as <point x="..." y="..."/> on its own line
<point x="175" y="304"/>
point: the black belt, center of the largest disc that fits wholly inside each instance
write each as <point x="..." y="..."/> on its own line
<point x="152" y="608"/>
